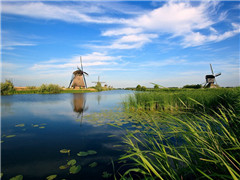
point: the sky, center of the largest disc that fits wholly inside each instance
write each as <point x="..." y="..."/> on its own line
<point x="126" y="43"/>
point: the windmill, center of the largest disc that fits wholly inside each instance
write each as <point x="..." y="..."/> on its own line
<point x="78" y="77"/>
<point x="98" y="82"/>
<point x="78" y="103"/>
<point x="210" y="79"/>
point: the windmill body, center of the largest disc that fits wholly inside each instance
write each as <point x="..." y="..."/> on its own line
<point x="211" y="79"/>
<point x="78" y="78"/>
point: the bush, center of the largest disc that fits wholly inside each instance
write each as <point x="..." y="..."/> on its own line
<point x="51" y="89"/>
<point x="193" y="86"/>
<point x="98" y="86"/>
<point x="156" y="86"/>
<point x="7" y="88"/>
<point x="138" y="88"/>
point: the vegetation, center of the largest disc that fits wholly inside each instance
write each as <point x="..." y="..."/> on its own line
<point x="141" y="88"/>
<point x="98" y="86"/>
<point x="175" y="100"/>
<point x="7" y="88"/>
<point x="185" y="134"/>
<point x="49" y="89"/>
<point x="193" y="86"/>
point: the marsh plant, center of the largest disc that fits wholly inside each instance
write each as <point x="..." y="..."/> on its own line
<point x="187" y="136"/>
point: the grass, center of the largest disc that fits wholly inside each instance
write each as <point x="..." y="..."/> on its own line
<point x="185" y="134"/>
<point x="184" y="99"/>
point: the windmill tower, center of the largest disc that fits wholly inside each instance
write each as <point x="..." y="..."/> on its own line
<point x="210" y="79"/>
<point x="78" y="77"/>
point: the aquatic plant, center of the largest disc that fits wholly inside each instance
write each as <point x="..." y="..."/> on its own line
<point x="183" y="146"/>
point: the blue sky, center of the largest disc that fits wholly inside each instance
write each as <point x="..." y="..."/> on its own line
<point x="126" y="43"/>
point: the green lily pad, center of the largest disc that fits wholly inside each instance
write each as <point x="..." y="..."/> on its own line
<point x="75" y="169"/>
<point x="51" y="177"/>
<point x="72" y="162"/>
<point x="19" y="125"/>
<point x="92" y="165"/>
<point x="82" y="153"/>
<point x="65" y="151"/>
<point x="117" y="145"/>
<point x="113" y="135"/>
<point x="18" y="177"/>
<point x="35" y="125"/>
<point x="2" y="141"/>
<point x="41" y="127"/>
<point x="91" y="152"/>
<point x="43" y="124"/>
<point x="106" y="174"/>
<point x="10" y="136"/>
<point x="64" y="166"/>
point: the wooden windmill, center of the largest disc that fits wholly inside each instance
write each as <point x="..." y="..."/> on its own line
<point x="210" y="79"/>
<point x="78" y="77"/>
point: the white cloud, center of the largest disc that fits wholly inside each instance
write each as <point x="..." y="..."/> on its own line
<point x="93" y="59"/>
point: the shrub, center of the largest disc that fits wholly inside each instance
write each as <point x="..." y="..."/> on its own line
<point x="98" y="86"/>
<point x="51" y="89"/>
<point x="193" y="86"/>
<point x="7" y="88"/>
<point x="156" y="86"/>
<point x="138" y="88"/>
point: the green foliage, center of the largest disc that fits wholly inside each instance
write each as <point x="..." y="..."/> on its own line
<point x="193" y="86"/>
<point x="156" y="86"/>
<point x="49" y="89"/>
<point x="7" y="88"/>
<point x="98" y="86"/>
<point x="141" y="88"/>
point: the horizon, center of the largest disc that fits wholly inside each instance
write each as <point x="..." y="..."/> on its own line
<point x="126" y="43"/>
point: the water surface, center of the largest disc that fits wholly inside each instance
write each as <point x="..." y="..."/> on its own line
<point x="49" y="123"/>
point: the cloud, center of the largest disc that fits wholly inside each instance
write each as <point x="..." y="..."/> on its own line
<point x="61" y="11"/>
<point x="93" y="59"/>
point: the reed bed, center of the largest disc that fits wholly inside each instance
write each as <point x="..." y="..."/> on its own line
<point x="184" y="99"/>
<point x="200" y="141"/>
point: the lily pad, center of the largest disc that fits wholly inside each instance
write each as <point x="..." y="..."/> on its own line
<point x="75" y="169"/>
<point x="19" y="125"/>
<point x="35" y="125"/>
<point x="91" y="152"/>
<point x="2" y="141"/>
<point x="94" y="164"/>
<point x="82" y="153"/>
<point x="65" y="151"/>
<point x="106" y="174"/>
<point x="10" y="136"/>
<point x="51" y="177"/>
<point x="72" y="162"/>
<point x="18" y="177"/>
<point x="41" y="127"/>
<point x="64" y="166"/>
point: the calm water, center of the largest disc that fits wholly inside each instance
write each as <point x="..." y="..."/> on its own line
<point x="34" y="152"/>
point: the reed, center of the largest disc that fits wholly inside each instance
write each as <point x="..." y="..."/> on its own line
<point x="184" y="99"/>
<point x="185" y="146"/>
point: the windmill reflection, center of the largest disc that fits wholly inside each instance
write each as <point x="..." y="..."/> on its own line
<point x="79" y="102"/>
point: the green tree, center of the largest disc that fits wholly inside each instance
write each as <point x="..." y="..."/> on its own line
<point x="7" y="88"/>
<point x="143" y="88"/>
<point x="156" y="86"/>
<point x="138" y="88"/>
<point x="98" y="86"/>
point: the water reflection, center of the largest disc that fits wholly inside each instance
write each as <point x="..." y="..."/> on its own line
<point x="79" y="104"/>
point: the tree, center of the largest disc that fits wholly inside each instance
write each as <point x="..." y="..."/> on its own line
<point x="138" y="88"/>
<point x="7" y="88"/>
<point x="156" y="86"/>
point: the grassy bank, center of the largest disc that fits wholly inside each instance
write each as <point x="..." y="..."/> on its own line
<point x="186" y="134"/>
<point x="184" y="99"/>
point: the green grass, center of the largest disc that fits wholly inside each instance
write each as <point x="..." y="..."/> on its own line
<point x="184" y="99"/>
<point x="184" y="134"/>
<point x="179" y="147"/>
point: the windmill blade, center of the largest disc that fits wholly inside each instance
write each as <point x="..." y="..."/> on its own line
<point x="81" y="62"/>
<point x="85" y="73"/>
<point x="71" y="81"/>
<point x="211" y="69"/>
<point x="84" y="81"/>
<point x="218" y="74"/>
